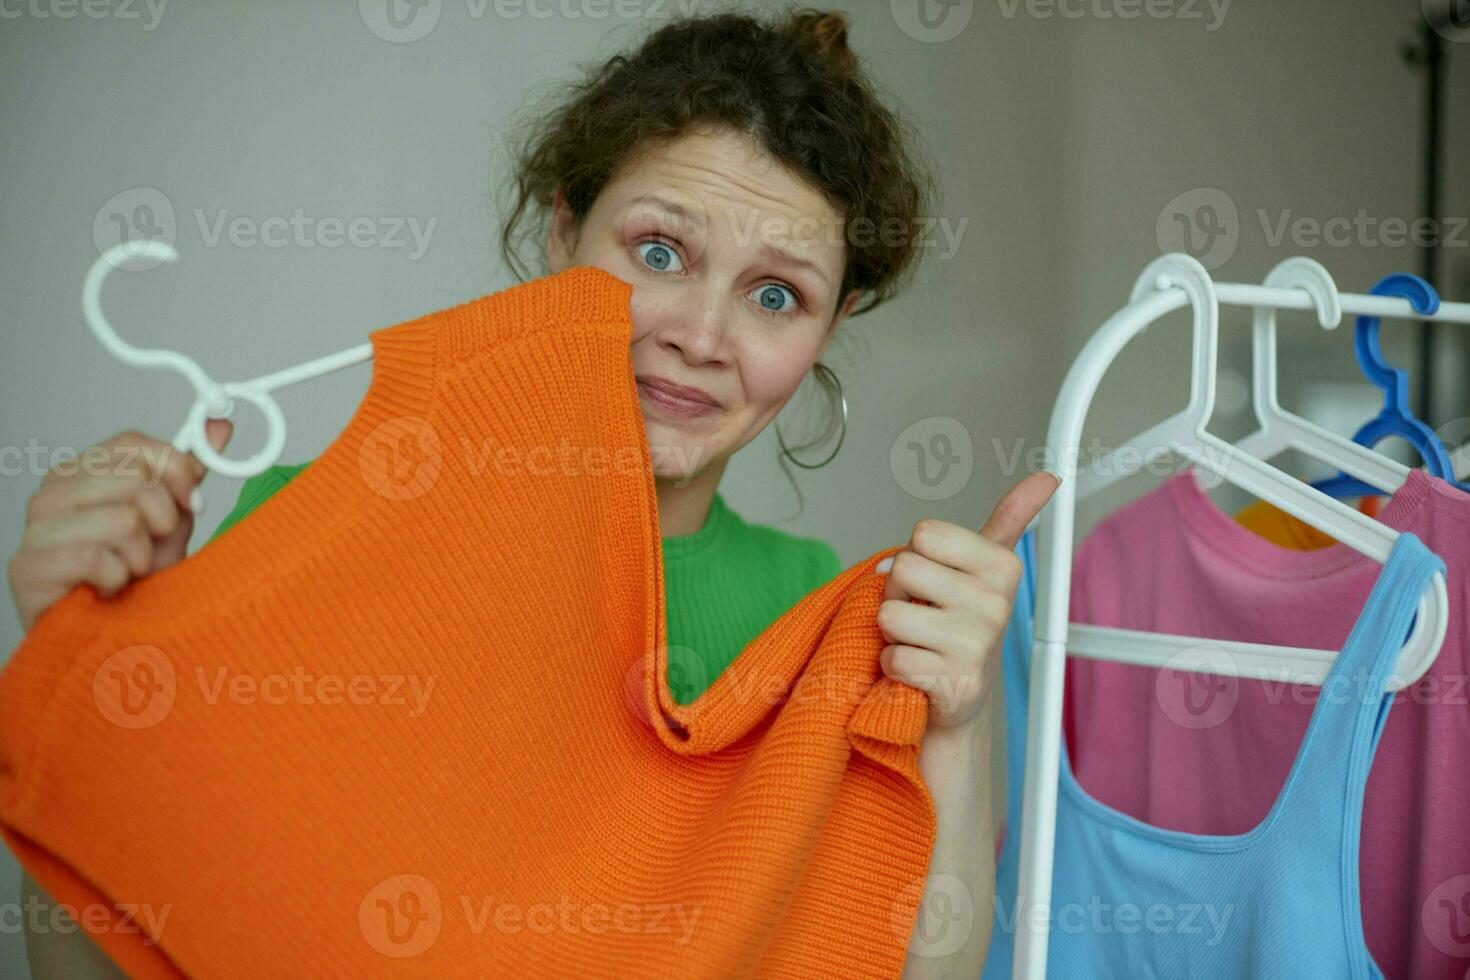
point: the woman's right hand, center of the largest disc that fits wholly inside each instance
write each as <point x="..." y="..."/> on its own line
<point x="118" y="511"/>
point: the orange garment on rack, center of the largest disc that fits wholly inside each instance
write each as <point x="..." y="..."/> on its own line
<point x="1279" y="527"/>
<point x="325" y="743"/>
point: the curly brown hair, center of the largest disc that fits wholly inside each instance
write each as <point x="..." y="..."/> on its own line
<point x="793" y="86"/>
<point x="790" y="84"/>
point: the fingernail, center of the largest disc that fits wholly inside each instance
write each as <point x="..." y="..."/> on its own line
<point x="883" y="566"/>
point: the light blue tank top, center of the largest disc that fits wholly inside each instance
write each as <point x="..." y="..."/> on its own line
<point x="1133" y="901"/>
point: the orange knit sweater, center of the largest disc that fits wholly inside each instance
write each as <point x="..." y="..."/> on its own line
<point x="324" y="744"/>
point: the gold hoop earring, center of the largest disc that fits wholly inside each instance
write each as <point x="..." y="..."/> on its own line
<point x="823" y="372"/>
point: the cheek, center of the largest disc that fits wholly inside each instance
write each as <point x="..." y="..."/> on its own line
<point x="607" y="254"/>
<point x="769" y="372"/>
<point x="772" y="376"/>
<point x="644" y="312"/>
<point x="658" y="311"/>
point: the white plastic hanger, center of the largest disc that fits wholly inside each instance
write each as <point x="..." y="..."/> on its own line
<point x="1167" y="284"/>
<point x="1281" y="430"/>
<point x="1185" y="433"/>
<point x="212" y="399"/>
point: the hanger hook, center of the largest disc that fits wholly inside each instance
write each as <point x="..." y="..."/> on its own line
<point x="1309" y="275"/>
<point x="1395" y="418"/>
<point x="1423" y="298"/>
<point x="1177" y="269"/>
<point x="115" y="257"/>
<point x="212" y="399"/>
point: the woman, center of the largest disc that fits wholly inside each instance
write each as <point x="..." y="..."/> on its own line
<point x="749" y="184"/>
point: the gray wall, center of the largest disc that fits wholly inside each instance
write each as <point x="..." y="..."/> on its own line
<point x="1061" y="142"/>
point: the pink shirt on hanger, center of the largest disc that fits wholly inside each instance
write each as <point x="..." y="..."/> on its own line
<point x="1209" y="754"/>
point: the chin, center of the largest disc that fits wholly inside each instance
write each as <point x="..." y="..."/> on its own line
<point x="675" y="457"/>
<point x="675" y="463"/>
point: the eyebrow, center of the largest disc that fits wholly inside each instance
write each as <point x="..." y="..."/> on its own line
<point x="693" y="217"/>
<point x="780" y="254"/>
<point x="767" y="249"/>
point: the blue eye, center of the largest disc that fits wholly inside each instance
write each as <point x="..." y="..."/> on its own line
<point x="659" y="256"/>
<point x="770" y="296"/>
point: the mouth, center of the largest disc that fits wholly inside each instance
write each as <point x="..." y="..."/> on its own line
<point x="675" y="399"/>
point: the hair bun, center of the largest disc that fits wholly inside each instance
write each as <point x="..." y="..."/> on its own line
<point x="824" y="33"/>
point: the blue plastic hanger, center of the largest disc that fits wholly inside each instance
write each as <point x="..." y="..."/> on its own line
<point x="1395" y="419"/>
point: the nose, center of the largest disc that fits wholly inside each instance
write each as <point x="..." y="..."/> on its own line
<point x="695" y="327"/>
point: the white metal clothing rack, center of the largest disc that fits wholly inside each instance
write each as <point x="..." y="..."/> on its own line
<point x="1169" y="283"/>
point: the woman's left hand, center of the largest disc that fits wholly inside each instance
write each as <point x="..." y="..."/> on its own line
<point x="947" y="602"/>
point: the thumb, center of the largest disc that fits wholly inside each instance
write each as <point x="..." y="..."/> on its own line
<point x="217" y="432"/>
<point x="1020" y="504"/>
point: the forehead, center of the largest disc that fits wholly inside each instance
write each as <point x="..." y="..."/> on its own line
<point x="709" y="171"/>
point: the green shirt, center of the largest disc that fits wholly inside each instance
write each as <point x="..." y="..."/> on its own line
<point x="723" y="584"/>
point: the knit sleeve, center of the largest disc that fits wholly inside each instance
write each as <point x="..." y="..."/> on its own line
<point x="63" y="639"/>
<point x="62" y="699"/>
